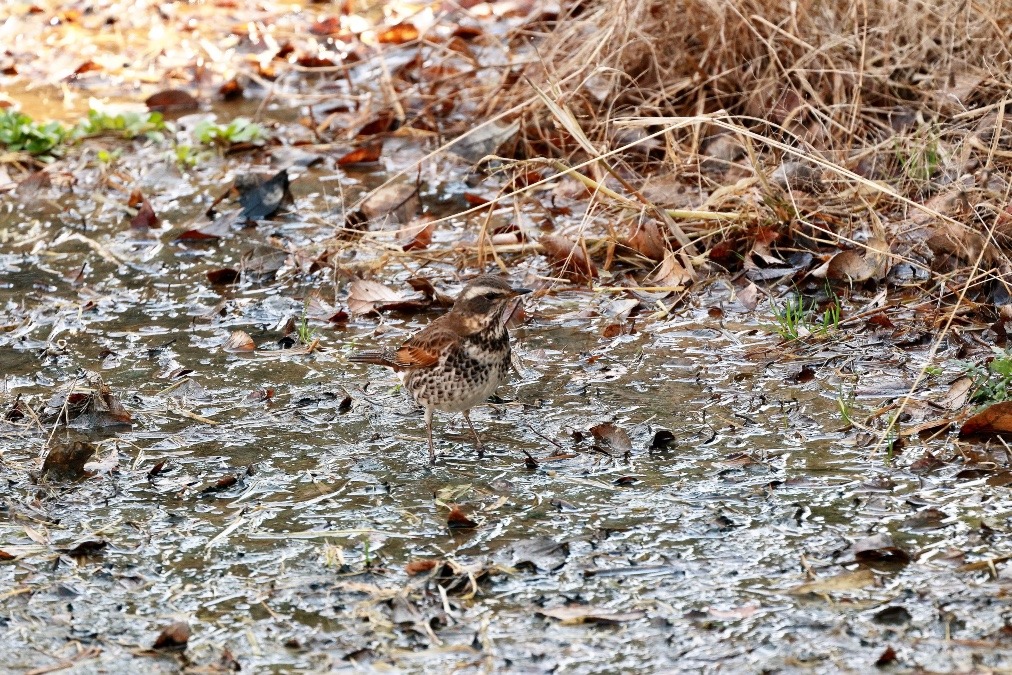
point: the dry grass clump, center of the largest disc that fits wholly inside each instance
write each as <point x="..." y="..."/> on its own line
<point x="836" y="61"/>
<point x="899" y="104"/>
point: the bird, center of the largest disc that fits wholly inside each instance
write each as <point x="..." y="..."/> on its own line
<point x="459" y="359"/>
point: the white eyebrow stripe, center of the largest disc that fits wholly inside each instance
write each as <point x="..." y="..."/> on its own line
<point x="477" y="291"/>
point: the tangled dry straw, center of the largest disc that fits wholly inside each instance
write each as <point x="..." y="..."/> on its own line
<point x="901" y="103"/>
<point x="753" y="57"/>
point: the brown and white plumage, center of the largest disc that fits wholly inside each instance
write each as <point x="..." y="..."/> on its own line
<point x="458" y="360"/>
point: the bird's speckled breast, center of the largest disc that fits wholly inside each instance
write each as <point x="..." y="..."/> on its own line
<point x="466" y="375"/>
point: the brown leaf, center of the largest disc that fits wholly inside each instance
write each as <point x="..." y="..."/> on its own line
<point x="398" y="35"/>
<point x="577" y="614"/>
<point x="171" y="100"/>
<point x="239" y="342"/>
<point x="845" y="581"/>
<point x="671" y="273"/>
<point x="398" y="203"/>
<point x="887" y="657"/>
<point x="65" y="461"/>
<point x="231" y="90"/>
<point x="367" y="154"/>
<point x="145" y="217"/>
<point x="216" y="229"/>
<point x="646" y="239"/>
<point x="330" y="25"/>
<point x="223" y="276"/>
<point x="380" y="124"/>
<point x="568" y="258"/>
<point x="364" y="295"/>
<point x="173" y="637"/>
<point x="416" y="567"/>
<point x="995" y="419"/>
<point x="90" y="547"/>
<point x="417" y="235"/>
<point x="879" y="548"/>
<point x="458" y="520"/>
<point x="856" y="266"/>
<point x="612" y="436"/>
<point x="959" y="390"/>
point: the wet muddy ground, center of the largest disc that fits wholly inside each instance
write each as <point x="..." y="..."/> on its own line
<point x="669" y="485"/>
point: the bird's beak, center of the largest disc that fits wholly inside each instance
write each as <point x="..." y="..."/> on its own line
<point x="521" y="291"/>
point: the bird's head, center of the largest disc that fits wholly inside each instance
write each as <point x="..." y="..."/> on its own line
<point x="485" y="300"/>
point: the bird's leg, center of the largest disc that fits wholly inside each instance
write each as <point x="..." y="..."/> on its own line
<point x="477" y="441"/>
<point x="428" y="431"/>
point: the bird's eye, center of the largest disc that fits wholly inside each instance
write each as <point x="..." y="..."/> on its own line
<point x="491" y="295"/>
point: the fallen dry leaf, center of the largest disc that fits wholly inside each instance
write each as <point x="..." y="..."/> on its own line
<point x="995" y="419"/>
<point x="173" y="637"/>
<point x="171" y="100"/>
<point x="845" y="581"/>
<point x="238" y="342"/>
<point x="568" y="258"/>
<point x="577" y="614"/>
<point x="855" y="266"/>
<point x="65" y="461"/>
<point x="367" y="154"/>
<point x="458" y="520"/>
<point x="145" y="217"/>
<point x="612" y="437"/>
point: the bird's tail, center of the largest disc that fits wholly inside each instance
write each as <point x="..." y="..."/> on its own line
<point x="383" y="357"/>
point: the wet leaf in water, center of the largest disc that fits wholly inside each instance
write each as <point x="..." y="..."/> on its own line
<point x="568" y="258"/>
<point x="367" y="154"/>
<point x="662" y="439"/>
<point x="238" y="342"/>
<point x="894" y="615"/>
<point x="612" y="437"/>
<point x="262" y="200"/>
<point x="94" y="407"/>
<point x="366" y="297"/>
<point x="396" y="203"/>
<point x="157" y="469"/>
<point x="458" y="520"/>
<point x="231" y="90"/>
<point x="995" y="419"/>
<point x="845" y="581"/>
<point x="417" y="235"/>
<point x="85" y="548"/>
<point x="416" y="567"/>
<point x="223" y="276"/>
<point x="646" y="239"/>
<point x="928" y="519"/>
<point x="539" y="553"/>
<point x="887" y="657"/>
<point x="861" y="265"/>
<point x="577" y="614"/>
<point x="671" y="273"/>
<point x="145" y="218"/>
<point x="397" y="35"/>
<point x="220" y="227"/>
<point x="173" y="637"/>
<point x="65" y="461"/>
<point x="879" y="549"/>
<point x="926" y="463"/>
<point x="172" y="100"/>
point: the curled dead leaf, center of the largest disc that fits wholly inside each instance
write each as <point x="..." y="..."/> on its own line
<point x="173" y="637"/>
<point x="65" y="461"/>
<point x="239" y="342"/>
<point x="995" y="419"/>
<point x="845" y="581"/>
<point x="855" y="266"/>
<point x="577" y="614"/>
<point x="568" y="258"/>
<point x="458" y="520"/>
